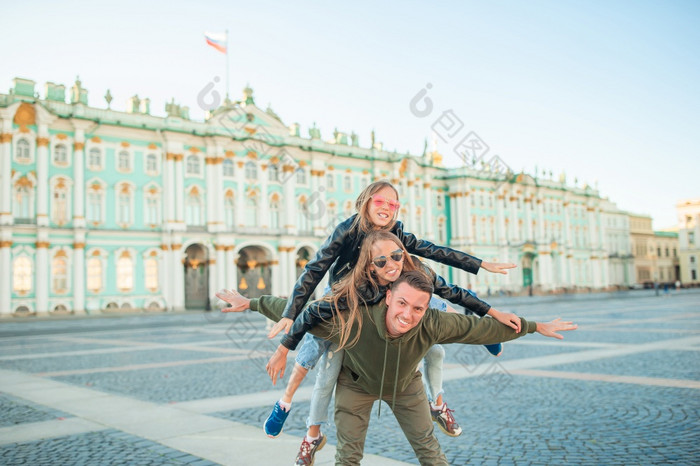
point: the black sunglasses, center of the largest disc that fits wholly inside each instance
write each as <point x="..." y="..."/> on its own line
<point x="396" y="256"/>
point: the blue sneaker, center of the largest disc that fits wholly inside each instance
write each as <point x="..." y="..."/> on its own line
<point x="275" y="421"/>
<point x="496" y="349"/>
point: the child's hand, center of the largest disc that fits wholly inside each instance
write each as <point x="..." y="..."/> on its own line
<point x="550" y="329"/>
<point x="283" y="324"/>
<point x="237" y="301"/>
<point x="277" y="364"/>
<point x="497" y="267"/>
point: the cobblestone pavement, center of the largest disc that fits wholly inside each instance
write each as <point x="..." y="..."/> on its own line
<point x="189" y="388"/>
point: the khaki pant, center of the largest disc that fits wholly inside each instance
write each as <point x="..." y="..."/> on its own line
<point x="352" y="412"/>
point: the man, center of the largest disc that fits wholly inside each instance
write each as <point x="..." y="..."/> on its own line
<point x="395" y="336"/>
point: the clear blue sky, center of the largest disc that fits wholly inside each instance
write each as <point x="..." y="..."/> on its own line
<point x="604" y="91"/>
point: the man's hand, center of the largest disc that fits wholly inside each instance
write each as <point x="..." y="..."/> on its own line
<point x="550" y="329"/>
<point x="277" y="363"/>
<point x="497" y="267"/>
<point x="238" y="302"/>
<point x="283" y="324"/>
<point x="507" y="318"/>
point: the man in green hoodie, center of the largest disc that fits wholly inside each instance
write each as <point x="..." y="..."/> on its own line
<point x="394" y="337"/>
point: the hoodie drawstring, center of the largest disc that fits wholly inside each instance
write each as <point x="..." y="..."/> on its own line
<point x="396" y="377"/>
<point x="381" y="386"/>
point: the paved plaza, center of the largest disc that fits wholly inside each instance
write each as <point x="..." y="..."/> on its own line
<point x="189" y="388"/>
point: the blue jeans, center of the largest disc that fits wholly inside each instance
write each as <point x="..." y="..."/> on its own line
<point x="432" y="362"/>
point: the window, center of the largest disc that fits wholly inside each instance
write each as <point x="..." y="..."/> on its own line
<point x="330" y="181"/>
<point x="692" y="259"/>
<point x="124" y="205"/>
<point x="347" y="183"/>
<point x="666" y="252"/>
<point x="152" y="208"/>
<point x="60" y="154"/>
<point x="193" y="165"/>
<point x="59" y="273"/>
<point x="22" y="199"/>
<point x="151" y="267"/>
<point x="95" y="159"/>
<point x="675" y="253"/>
<point x="301" y="176"/>
<point x="273" y="173"/>
<point x="152" y="163"/>
<point x="658" y="252"/>
<point x="125" y="272"/>
<point x="227" y="166"/>
<point x="94" y="274"/>
<point x="691" y="237"/>
<point x="95" y="200"/>
<point x="251" y="211"/>
<point x="229" y="210"/>
<point x="693" y="275"/>
<point x="124" y="161"/>
<point x="274" y="212"/>
<point x="22" y="275"/>
<point x="22" y="152"/>
<point x="193" y="208"/>
<point x="251" y="171"/>
<point x="59" y="207"/>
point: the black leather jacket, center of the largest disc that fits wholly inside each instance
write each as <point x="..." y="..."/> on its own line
<point x="320" y="311"/>
<point x="340" y="251"/>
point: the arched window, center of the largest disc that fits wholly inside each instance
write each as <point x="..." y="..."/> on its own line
<point x="59" y="205"/>
<point x="22" y="153"/>
<point x="251" y="171"/>
<point x="59" y="273"/>
<point x="301" y="176"/>
<point x="330" y="181"/>
<point x="193" y="208"/>
<point x="125" y="272"/>
<point x="347" y="183"/>
<point x="273" y="173"/>
<point x="60" y="154"/>
<point x="193" y="165"/>
<point x="95" y="159"/>
<point x="151" y="269"/>
<point x="124" y="199"/>
<point x="229" y="210"/>
<point x="94" y="274"/>
<point x="152" y="163"/>
<point x="124" y="161"/>
<point x="22" y="199"/>
<point x="22" y="275"/>
<point x="152" y="207"/>
<point x="274" y="212"/>
<point x="251" y="211"/>
<point x="95" y="201"/>
<point x="228" y="167"/>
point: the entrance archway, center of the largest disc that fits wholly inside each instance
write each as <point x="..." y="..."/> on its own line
<point x="196" y="277"/>
<point x="254" y="272"/>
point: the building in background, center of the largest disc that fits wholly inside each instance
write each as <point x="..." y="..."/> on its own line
<point x="103" y="209"/>
<point x="689" y="240"/>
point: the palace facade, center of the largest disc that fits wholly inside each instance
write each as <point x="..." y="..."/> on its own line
<point x="103" y="209"/>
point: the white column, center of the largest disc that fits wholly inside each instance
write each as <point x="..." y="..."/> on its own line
<point x="222" y="265"/>
<point x="318" y="183"/>
<point x="212" y="194"/>
<point x="283" y="271"/>
<point x="5" y="175"/>
<point x="290" y="204"/>
<point x="165" y="273"/>
<point x="179" y="191"/>
<point x="239" y="213"/>
<point x="178" y="276"/>
<point x="412" y="226"/>
<point x="454" y="218"/>
<point x="513" y="219"/>
<point x="462" y="221"/>
<point x="6" y="265"/>
<point x="42" y="176"/>
<point x="169" y="191"/>
<point x="593" y="238"/>
<point x="79" y="179"/>
<point x="540" y="222"/>
<point x="264" y="217"/>
<point x="79" y="272"/>
<point x="501" y="218"/>
<point x="214" y="268"/>
<point x="568" y="240"/>
<point x="527" y="204"/>
<point x="42" y="273"/>
<point x="231" y="280"/>
<point x="428" y="220"/>
<point x="470" y="232"/>
<point x="276" y="278"/>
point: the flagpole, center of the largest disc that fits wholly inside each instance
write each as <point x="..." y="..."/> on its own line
<point x="227" y="67"/>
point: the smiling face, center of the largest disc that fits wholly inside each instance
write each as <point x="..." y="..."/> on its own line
<point x="391" y="271"/>
<point x="406" y="307"/>
<point x="382" y="207"/>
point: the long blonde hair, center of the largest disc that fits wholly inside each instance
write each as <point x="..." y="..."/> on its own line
<point x="362" y="221"/>
<point x="346" y="297"/>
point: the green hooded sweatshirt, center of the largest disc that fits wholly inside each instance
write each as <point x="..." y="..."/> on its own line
<point x="383" y="365"/>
